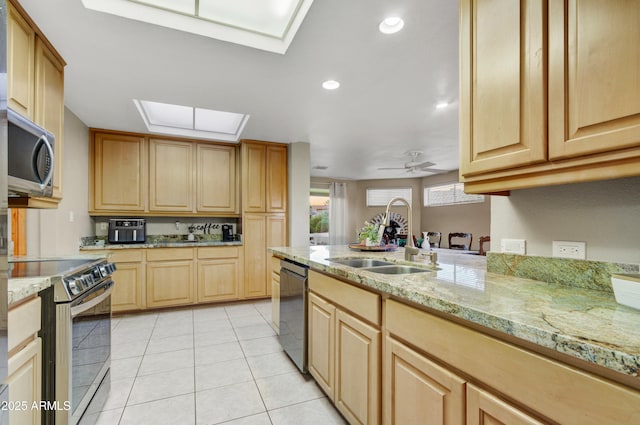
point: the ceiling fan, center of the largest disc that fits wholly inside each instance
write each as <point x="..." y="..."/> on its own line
<point x="414" y="165"/>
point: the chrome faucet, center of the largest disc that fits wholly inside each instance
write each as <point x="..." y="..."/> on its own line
<point x="410" y="251"/>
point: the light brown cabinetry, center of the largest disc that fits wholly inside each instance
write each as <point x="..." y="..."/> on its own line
<point x="418" y="391"/>
<point x="135" y="173"/>
<point x="217" y="182"/>
<point x="259" y="232"/>
<point x="275" y="294"/>
<point x="345" y="346"/>
<point x="535" y="113"/>
<point x="25" y="363"/>
<point x="170" y="277"/>
<point x="264" y="177"/>
<point x="129" y="289"/>
<point x="542" y="391"/>
<point x="118" y="176"/>
<point x="219" y="274"/>
<point x="171" y="175"/>
<point x="35" y="84"/>
<point x="20" y="63"/>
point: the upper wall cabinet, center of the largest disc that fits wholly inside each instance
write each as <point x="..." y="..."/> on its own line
<point x="119" y="170"/>
<point x="264" y="177"/>
<point x="547" y="95"/>
<point x="35" y="84"/>
<point x="134" y="173"/>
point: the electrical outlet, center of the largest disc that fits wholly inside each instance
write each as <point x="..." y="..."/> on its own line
<point x="513" y="246"/>
<point x="103" y="226"/>
<point x="569" y="249"/>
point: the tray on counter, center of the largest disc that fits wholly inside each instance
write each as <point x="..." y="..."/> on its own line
<point x="357" y="246"/>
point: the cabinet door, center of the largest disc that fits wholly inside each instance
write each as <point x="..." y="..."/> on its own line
<point x="594" y="83"/>
<point x="128" y="291"/>
<point x="171" y="175"/>
<point x="218" y="280"/>
<point x="255" y="255"/>
<point x="25" y="384"/>
<point x="502" y="92"/>
<point x="119" y="172"/>
<point x="276" y="179"/>
<point x="418" y="391"/>
<point x="49" y="104"/>
<point x="216" y="179"/>
<point x="20" y="63"/>
<point x="357" y="382"/>
<point x="170" y="283"/>
<point x="321" y="340"/>
<point x="253" y="177"/>
<point x="276" y="228"/>
<point x="484" y="408"/>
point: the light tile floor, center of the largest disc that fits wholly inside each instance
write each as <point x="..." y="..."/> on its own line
<point x="205" y="366"/>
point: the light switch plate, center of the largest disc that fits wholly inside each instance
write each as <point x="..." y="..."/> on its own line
<point x="513" y="246"/>
<point x="569" y="249"/>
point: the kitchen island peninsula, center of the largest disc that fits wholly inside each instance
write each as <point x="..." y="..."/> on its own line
<point x="466" y="343"/>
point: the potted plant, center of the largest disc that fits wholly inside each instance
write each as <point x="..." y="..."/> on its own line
<point x="369" y="234"/>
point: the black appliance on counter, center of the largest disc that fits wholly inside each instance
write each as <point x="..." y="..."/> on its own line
<point x="127" y="230"/>
<point x="227" y="233"/>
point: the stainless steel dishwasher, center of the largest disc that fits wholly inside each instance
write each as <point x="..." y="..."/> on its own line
<point x="293" y="311"/>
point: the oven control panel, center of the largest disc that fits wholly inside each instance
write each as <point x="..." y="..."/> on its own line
<point x="85" y="280"/>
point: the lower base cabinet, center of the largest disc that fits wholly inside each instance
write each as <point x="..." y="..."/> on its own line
<point x="275" y="299"/>
<point x="345" y="348"/>
<point x="219" y="274"/>
<point x="170" y="277"/>
<point x="485" y="408"/>
<point x="129" y="291"/>
<point x="419" y="391"/>
<point x="25" y="384"/>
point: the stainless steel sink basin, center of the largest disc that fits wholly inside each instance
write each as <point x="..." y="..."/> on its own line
<point x="397" y="269"/>
<point x="361" y="262"/>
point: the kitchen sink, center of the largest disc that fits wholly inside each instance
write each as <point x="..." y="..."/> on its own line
<point x="397" y="269"/>
<point x="361" y="262"/>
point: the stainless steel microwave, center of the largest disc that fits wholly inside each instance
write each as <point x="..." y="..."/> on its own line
<point x="30" y="157"/>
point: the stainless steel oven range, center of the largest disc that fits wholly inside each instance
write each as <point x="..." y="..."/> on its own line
<point x="76" y="335"/>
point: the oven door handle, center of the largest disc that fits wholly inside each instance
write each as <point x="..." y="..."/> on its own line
<point x="81" y="308"/>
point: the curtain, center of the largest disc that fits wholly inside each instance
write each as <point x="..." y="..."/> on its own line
<point x="338" y="214"/>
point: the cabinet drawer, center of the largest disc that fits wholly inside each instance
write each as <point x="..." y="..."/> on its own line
<point x="170" y="254"/>
<point x="126" y="256"/>
<point x="275" y="265"/>
<point x="218" y="252"/>
<point x="560" y="392"/>
<point x="359" y="301"/>
<point x="24" y="322"/>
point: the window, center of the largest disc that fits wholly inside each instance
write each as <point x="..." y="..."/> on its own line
<point x="319" y="216"/>
<point x="449" y="194"/>
<point x="381" y="197"/>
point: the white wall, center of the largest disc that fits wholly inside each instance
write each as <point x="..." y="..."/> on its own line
<point x="52" y="232"/>
<point x="604" y="214"/>
<point x="299" y="189"/>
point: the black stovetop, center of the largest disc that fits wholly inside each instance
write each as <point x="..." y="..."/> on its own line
<point x="22" y="269"/>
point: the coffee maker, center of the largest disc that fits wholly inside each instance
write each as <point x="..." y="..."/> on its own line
<point x="227" y="233"/>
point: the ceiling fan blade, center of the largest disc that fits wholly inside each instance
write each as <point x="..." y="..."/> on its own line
<point x="392" y="168"/>
<point x="423" y="164"/>
<point x="434" y="170"/>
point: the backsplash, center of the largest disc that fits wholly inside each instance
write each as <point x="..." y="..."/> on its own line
<point x="586" y="274"/>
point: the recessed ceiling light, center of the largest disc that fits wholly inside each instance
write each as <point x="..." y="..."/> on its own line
<point x="441" y="105"/>
<point x="330" y="85"/>
<point x="391" y="25"/>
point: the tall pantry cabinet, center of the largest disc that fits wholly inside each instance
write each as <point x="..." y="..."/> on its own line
<point x="264" y="211"/>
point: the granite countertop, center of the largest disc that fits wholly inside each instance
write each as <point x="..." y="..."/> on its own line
<point x="19" y="289"/>
<point x="171" y="244"/>
<point x="583" y="323"/>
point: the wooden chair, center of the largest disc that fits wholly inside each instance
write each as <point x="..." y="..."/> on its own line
<point x="433" y="238"/>
<point x="464" y="246"/>
<point x="481" y="241"/>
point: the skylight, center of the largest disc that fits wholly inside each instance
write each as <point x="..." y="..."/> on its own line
<point x="188" y="121"/>
<point x="262" y="24"/>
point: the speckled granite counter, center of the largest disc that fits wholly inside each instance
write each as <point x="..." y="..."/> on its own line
<point x="182" y="244"/>
<point x="583" y="323"/>
<point x="23" y="288"/>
